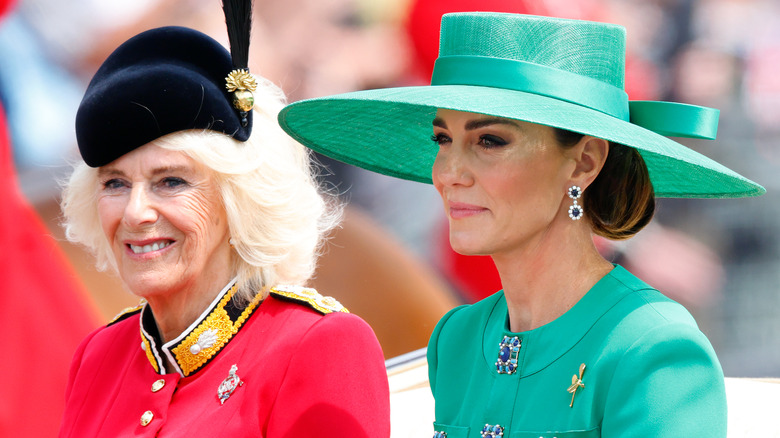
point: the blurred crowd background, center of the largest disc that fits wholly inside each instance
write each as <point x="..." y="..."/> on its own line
<point x="720" y="258"/>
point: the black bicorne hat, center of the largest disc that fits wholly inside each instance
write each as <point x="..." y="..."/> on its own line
<point x="158" y="82"/>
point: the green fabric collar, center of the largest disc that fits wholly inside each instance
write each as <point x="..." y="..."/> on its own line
<point x="544" y="345"/>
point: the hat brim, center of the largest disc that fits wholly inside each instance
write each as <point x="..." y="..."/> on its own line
<point x="388" y="131"/>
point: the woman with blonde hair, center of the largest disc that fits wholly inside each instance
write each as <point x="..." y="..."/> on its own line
<point x="206" y="210"/>
<point x="531" y="142"/>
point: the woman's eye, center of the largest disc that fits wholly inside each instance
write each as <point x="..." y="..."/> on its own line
<point x="491" y="141"/>
<point x="172" y="182"/>
<point x="440" y="139"/>
<point x="113" y="184"/>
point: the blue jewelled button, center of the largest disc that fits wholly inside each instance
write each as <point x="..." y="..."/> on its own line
<point x="508" y="352"/>
<point x="437" y="434"/>
<point x="494" y="431"/>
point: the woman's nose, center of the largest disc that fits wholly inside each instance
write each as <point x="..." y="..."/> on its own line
<point x="140" y="209"/>
<point x="451" y="167"/>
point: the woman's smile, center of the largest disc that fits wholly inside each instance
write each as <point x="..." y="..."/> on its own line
<point x="150" y="246"/>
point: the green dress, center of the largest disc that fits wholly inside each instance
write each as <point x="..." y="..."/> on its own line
<point x="648" y="370"/>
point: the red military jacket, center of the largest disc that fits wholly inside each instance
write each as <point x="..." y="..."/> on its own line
<point x="289" y="366"/>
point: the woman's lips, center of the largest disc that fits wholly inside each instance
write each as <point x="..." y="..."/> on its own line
<point x="460" y="210"/>
<point x="148" y="246"/>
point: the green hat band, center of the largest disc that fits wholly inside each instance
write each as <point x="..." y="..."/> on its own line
<point x="666" y="118"/>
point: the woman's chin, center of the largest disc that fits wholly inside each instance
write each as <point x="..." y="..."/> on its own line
<point x="468" y="248"/>
<point x="147" y="286"/>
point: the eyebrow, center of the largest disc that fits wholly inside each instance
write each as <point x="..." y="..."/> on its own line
<point x="170" y="169"/>
<point x="156" y="171"/>
<point x="438" y="121"/>
<point x="479" y="123"/>
<point x="102" y="171"/>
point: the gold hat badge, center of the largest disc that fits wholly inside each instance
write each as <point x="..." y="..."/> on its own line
<point x="576" y="383"/>
<point x="241" y="83"/>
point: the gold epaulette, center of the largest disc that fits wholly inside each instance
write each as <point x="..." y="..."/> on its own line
<point x="311" y="297"/>
<point x="126" y="313"/>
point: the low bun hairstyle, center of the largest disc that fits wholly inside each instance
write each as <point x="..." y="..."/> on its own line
<point x="621" y="200"/>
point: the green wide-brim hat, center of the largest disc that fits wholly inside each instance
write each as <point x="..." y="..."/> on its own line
<point x="562" y="73"/>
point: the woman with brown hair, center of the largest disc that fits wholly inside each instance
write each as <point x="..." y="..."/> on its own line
<point x="536" y="148"/>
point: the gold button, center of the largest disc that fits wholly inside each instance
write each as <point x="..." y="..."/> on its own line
<point x="146" y="418"/>
<point x="158" y="385"/>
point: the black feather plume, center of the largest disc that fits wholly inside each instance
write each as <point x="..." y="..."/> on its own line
<point x="238" y="17"/>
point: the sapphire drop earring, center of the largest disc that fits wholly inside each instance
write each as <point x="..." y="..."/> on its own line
<point x="575" y="211"/>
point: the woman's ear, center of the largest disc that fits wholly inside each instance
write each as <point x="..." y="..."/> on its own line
<point x="589" y="155"/>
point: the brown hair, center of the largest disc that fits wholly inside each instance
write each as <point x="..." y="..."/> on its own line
<point x="621" y="200"/>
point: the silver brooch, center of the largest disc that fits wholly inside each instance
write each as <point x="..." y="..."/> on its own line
<point x="231" y="382"/>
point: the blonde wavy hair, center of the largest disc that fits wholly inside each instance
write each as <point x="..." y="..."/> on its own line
<point x="278" y="214"/>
